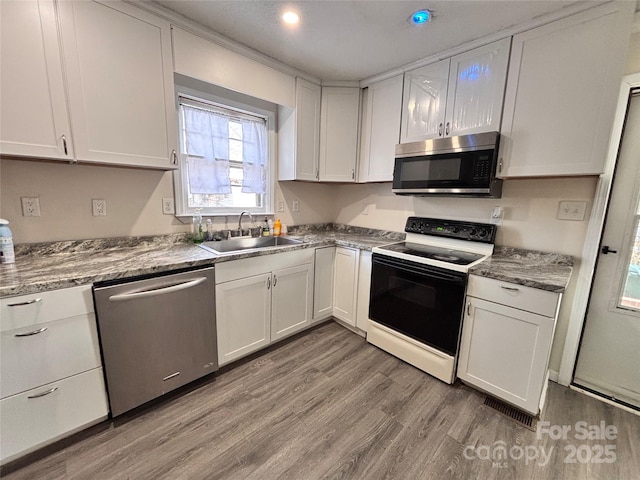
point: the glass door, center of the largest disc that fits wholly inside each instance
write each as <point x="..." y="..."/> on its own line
<point x="609" y="355"/>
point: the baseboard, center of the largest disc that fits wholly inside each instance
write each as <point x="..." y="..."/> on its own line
<point x="554" y="375"/>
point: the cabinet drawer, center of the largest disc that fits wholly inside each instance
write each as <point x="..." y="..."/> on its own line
<point x="33" y="309"/>
<point x="35" y="355"/>
<point x="29" y="423"/>
<point x="513" y="295"/>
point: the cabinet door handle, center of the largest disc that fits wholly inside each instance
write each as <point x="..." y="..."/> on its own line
<point x="440" y="130"/>
<point x="353" y="174"/>
<point x="268" y="283"/>
<point x="64" y="144"/>
<point x="468" y="309"/>
<point x="605" y="250"/>
<point x="28" y="302"/>
<point x="500" y="166"/>
<point x="275" y="281"/>
<point x="446" y="130"/>
<point x="174" y="157"/>
<point x="510" y="289"/>
<point x="33" y="332"/>
<point x="317" y="173"/>
<point x="43" y="394"/>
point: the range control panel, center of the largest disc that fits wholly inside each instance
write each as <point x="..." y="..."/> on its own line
<point x="477" y="232"/>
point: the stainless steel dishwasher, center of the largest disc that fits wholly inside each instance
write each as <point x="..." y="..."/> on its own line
<point x="156" y="335"/>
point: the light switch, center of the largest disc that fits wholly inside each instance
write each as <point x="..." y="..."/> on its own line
<point x="570" y="210"/>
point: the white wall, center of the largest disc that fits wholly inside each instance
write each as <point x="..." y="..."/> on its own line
<point x="134" y="201"/>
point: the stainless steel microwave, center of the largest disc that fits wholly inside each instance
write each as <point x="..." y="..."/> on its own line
<point x="454" y="166"/>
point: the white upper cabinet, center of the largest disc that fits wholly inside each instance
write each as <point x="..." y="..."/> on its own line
<point x="318" y="140"/>
<point x="476" y="89"/>
<point x="339" y="112"/>
<point x="424" y="99"/>
<point x="120" y="84"/>
<point x="456" y="96"/>
<point x="560" y="101"/>
<point x="34" y="116"/>
<point x="382" y="108"/>
<point x="299" y="135"/>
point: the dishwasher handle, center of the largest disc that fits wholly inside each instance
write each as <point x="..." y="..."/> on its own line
<point x="157" y="291"/>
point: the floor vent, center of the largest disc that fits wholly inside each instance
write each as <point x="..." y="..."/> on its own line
<point x="514" y="414"/>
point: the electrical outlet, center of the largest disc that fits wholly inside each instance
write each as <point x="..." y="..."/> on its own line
<point x="296" y="206"/>
<point x="497" y="214"/>
<point x="99" y="207"/>
<point x="280" y="206"/>
<point x="571" y="210"/>
<point x="30" y="206"/>
<point x="168" y="207"/>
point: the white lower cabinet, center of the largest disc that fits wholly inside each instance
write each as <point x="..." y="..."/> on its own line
<point x="346" y="284"/>
<point x="323" y="282"/>
<point x="291" y="300"/>
<point x="243" y="316"/>
<point x="51" y="381"/>
<point x="364" y="286"/>
<point x="260" y="300"/>
<point x="40" y="416"/>
<point x="351" y="284"/>
<point x="506" y="341"/>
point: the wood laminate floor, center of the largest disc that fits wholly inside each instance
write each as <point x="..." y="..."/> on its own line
<point x="330" y="406"/>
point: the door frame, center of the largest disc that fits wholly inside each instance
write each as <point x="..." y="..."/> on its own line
<point x="591" y="249"/>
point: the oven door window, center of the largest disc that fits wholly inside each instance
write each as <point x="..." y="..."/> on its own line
<point x="424" y="303"/>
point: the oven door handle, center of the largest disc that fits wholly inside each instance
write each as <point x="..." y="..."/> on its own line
<point x="420" y="269"/>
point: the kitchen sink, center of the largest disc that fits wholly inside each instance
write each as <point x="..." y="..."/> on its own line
<point x="234" y="245"/>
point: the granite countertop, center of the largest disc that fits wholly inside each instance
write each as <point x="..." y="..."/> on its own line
<point x="51" y="266"/>
<point x="542" y="270"/>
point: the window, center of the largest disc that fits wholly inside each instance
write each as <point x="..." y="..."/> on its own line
<point x="224" y="161"/>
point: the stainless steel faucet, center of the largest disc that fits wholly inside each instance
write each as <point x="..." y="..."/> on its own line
<point x="240" y="222"/>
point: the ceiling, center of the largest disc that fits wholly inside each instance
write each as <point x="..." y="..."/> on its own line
<point x="354" y="40"/>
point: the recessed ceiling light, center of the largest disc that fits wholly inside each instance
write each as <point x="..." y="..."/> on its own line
<point x="291" y="17"/>
<point x="421" y="16"/>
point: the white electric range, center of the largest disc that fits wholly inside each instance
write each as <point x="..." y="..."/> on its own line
<point x="418" y="287"/>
